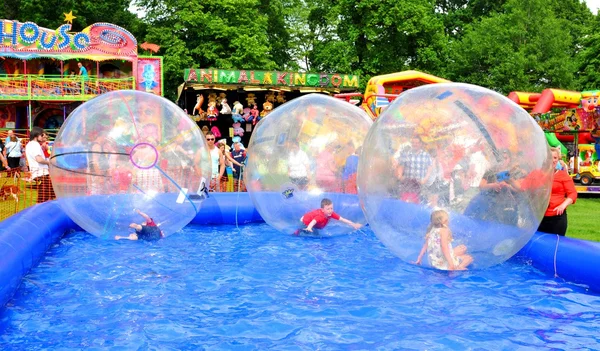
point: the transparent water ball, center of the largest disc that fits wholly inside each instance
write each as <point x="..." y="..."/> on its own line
<point x="302" y="152"/>
<point x="125" y="151"/>
<point x="465" y="151"/>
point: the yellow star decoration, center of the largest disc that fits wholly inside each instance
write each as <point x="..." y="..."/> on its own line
<point x="69" y="17"/>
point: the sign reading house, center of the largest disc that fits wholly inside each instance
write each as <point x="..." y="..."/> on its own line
<point x="271" y="78"/>
<point x="28" y="40"/>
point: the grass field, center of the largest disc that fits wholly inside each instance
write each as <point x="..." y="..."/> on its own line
<point x="27" y="198"/>
<point x="584" y="222"/>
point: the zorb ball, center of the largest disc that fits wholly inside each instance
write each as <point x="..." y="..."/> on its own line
<point x="466" y="151"/>
<point x="302" y="152"/>
<point x="125" y="151"/>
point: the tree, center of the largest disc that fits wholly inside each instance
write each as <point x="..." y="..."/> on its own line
<point x="228" y="34"/>
<point x="301" y="38"/>
<point x="375" y="36"/>
<point x="578" y="21"/>
<point x="588" y="59"/>
<point x="50" y="13"/>
<point x="10" y="9"/>
<point x="525" y="47"/>
<point x="457" y="14"/>
<point x="278" y="13"/>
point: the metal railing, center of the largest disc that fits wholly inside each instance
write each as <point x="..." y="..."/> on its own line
<point x="48" y="87"/>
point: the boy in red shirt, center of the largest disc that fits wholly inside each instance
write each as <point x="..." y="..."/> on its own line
<point x="44" y="145"/>
<point x="320" y="217"/>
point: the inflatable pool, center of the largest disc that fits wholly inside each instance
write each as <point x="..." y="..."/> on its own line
<point x="25" y="237"/>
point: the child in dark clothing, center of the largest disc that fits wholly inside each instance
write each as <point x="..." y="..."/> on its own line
<point x="148" y="231"/>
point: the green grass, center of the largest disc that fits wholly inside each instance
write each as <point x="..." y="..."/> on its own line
<point x="27" y="198"/>
<point x="584" y="222"/>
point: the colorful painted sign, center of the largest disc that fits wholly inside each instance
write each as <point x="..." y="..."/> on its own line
<point x="569" y="120"/>
<point x="28" y="40"/>
<point x="271" y="78"/>
<point x="149" y="75"/>
<point x="587" y="189"/>
<point x="7" y="116"/>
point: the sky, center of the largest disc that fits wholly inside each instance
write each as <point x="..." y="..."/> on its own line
<point x="141" y="13"/>
<point x="593" y="5"/>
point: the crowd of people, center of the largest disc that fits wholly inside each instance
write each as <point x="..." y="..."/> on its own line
<point x="228" y="162"/>
<point x="324" y="172"/>
<point x="492" y="193"/>
<point x="31" y="159"/>
<point x="227" y="165"/>
<point x="421" y="176"/>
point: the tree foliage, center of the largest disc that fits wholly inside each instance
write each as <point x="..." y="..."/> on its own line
<point x="588" y="59"/>
<point x="370" y="37"/>
<point x="505" y="45"/>
<point x="457" y="14"/>
<point x="524" y="47"/>
<point x="578" y="21"/>
<point x="50" y="13"/>
<point x="223" y="34"/>
<point x="374" y="37"/>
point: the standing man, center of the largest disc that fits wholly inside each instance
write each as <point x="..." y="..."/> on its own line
<point x="298" y="166"/>
<point x="217" y="162"/>
<point x="84" y="74"/>
<point x="38" y="165"/>
<point x="82" y="71"/>
<point x="414" y="168"/>
<point x="239" y="155"/>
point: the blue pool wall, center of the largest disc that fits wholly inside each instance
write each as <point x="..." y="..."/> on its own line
<point x="24" y="239"/>
<point x="26" y="236"/>
<point x="227" y="208"/>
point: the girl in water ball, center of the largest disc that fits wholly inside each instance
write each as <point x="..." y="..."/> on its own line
<point x="438" y="245"/>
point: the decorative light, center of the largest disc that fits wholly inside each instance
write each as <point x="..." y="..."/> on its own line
<point x="69" y="17"/>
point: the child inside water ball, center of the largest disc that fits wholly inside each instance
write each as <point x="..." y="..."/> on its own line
<point x="319" y="218"/>
<point x="148" y="231"/>
<point x="438" y="245"/>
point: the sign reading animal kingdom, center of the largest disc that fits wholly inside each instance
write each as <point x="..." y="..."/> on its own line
<point x="271" y="78"/>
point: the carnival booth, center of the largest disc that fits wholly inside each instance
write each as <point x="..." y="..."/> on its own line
<point x="382" y="90"/>
<point x="45" y="74"/>
<point x="231" y="102"/>
<point x="578" y="128"/>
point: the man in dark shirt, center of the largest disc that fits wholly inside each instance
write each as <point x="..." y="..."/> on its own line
<point x="239" y="155"/>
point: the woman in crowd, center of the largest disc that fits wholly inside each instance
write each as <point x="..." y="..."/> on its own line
<point x="227" y="172"/>
<point x="13" y="151"/>
<point x="327" y="176"/>
<point x="563" y="194"/>
<point x="230" y="162"/>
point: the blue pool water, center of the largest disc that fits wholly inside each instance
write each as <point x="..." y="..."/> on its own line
<point x="256" y="289"/>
